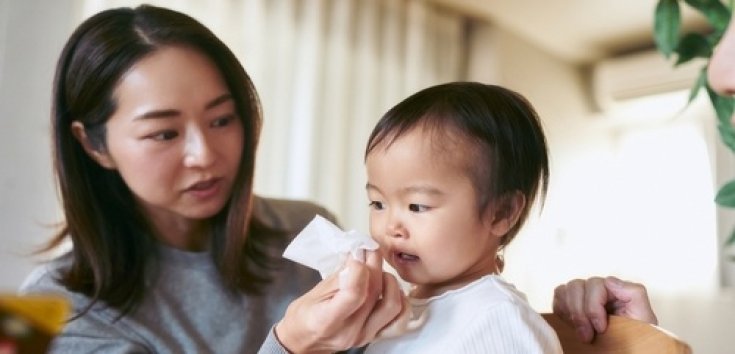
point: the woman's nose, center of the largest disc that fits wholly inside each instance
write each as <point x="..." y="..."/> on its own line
<point x="721" y="70"/>
<point x="198" y="150"/>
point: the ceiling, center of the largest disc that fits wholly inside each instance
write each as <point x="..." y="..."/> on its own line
<point x="580" y="31"/>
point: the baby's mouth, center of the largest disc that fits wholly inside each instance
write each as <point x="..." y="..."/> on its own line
<point x="405" y="257"/>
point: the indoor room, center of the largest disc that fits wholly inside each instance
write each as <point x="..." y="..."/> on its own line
<point x="634" y="165"/>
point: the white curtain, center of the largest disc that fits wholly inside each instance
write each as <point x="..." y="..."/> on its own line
<point x="326" y="70"/>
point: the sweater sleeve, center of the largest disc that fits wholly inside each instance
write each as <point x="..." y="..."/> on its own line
<point x="508" y="328"/>
<point x="271" y="345"/>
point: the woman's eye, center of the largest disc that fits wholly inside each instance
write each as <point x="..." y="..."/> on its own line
<point x="376" y="205"/>
<point x="164" y="135"/>
<point x="416" y="208"/>
<point x="224" y="121"/>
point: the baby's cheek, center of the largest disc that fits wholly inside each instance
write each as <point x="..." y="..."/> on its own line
<point x="383" y="251"/>
<point x="378" y="239"/>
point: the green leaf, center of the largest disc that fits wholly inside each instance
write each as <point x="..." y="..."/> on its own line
<point x="666" y="24"/>
<point x="717" y="14"/>
<point x="726" y="195"/>
<point x="727" y="135"/>
<point x="701" y="82"/>
<point x="692" y="45"/>
<point x="714" y="38"/>
<point x="723" y="106"/>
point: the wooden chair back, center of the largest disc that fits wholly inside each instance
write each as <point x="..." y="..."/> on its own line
<point x="623" y="336"/>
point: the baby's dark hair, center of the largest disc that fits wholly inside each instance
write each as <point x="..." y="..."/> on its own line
<point x="508" y="152"/>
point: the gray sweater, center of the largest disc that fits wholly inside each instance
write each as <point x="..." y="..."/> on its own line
<point x="187" y="308"/>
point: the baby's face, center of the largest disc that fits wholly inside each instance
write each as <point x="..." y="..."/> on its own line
<point x="424" y="214"/>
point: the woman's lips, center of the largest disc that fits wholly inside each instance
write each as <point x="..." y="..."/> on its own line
<point x="205" y="189"/>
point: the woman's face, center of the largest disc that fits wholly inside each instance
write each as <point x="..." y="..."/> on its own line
<point x="175" y="137"/>
<point x="721" y="71"/>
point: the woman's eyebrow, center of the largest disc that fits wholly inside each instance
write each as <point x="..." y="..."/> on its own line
<point x="219" y="100"/>
<point x="168" y="113"/>
<point x="157" y="114"/>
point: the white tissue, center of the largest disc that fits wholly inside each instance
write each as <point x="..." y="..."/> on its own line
<point x="321" y="245"/>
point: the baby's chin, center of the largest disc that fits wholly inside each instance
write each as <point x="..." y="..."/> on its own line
<point x="409" y="278"/>
<point x="405" y="276"/>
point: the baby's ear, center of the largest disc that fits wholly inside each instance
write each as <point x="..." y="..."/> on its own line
<point x="505" y="211"/>
<point x="99" y="155"/>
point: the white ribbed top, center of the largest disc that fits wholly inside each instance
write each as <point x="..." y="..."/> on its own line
<point x="488" y="315"/>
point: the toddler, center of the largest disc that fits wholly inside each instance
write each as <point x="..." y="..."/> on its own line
<point x="452" y="172"/>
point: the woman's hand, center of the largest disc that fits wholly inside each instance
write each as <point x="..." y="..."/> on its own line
<point x="586" y="303"/>
<point x="343" y="311"/>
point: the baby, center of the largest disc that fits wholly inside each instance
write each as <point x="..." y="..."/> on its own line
<point x="452" y="172"/>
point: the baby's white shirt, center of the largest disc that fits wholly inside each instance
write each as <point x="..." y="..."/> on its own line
<point x="488" y="315"/>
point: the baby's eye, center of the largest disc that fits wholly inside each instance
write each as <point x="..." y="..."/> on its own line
<point x="417" y="208"/>
<point x="164" y="135"/>
<point x="376" y="205"/>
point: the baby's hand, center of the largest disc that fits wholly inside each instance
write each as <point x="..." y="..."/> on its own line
<point x="403" y="323"/>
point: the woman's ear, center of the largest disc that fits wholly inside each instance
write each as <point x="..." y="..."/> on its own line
<point x="505" y="213"/>
<point x="99" y="155"/>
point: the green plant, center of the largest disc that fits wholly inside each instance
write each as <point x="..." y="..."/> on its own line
<point x="686" y="47"/>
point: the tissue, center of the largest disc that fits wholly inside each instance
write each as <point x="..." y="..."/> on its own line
<point x="323" y="246"/>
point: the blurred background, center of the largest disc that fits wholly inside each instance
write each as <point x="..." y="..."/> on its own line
<point x="634" y="170"/>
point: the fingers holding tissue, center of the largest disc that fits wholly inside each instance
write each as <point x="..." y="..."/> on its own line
<point x="355" y="301"/>
<point x="321" y="245"/>
<point x="326" y="319"/>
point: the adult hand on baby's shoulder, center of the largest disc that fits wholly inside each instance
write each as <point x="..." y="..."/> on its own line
<point x="630" y="300"/>
<point x="586" y="303"/>
<point x="343" y="311"/>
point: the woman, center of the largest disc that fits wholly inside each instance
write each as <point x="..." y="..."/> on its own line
<point x="155" y="128"/>
<point x="155" y="131"/>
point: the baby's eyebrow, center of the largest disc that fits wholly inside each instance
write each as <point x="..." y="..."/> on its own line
<point x="422" y="189"/>
<point x="415" y="189"/>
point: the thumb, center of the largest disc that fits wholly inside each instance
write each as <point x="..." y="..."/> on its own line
<point x="352" y="283"/>
<point x="629" y="299"/>
<point x="619" y="290"/>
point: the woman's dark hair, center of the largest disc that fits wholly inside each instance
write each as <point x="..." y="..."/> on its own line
<point x="112" y="241"/>
<point x="508" y="152"/>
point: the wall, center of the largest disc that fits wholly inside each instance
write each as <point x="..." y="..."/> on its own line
<point x="557" y="91"/>
<point x="601" y="219"/>
<point x="31" y="36"/>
